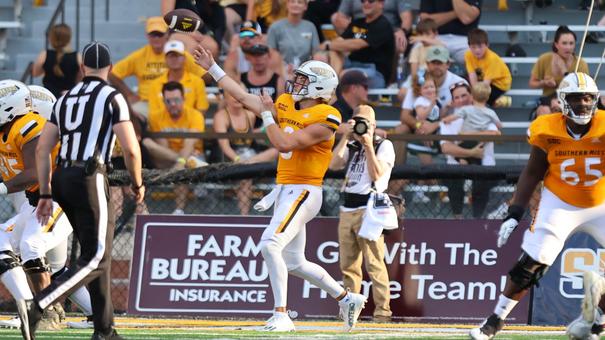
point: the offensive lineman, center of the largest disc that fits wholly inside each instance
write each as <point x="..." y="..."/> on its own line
<point x="568" y="153"/>
<point x="19" y="131"/>
<point x="304" y="136"/>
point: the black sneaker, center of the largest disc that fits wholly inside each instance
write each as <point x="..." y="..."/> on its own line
<point x="596" y="329"/>
<point x="488" y="329"/>
<point x="113" y="335"/>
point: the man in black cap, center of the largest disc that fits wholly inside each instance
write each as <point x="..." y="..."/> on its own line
<point x="352" y="91"/>
<point x="85" y="120"/>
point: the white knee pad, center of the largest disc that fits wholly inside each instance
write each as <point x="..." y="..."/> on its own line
<point x="32" y="248"/>
<point x="57" y="257"/>
<point x="270" y="249"/>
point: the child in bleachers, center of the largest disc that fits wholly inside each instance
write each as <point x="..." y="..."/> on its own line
<point x="484" y="65"/>
<point x="426" y="36"/>
<point x="425" y="105"/>
<point x="477" y="117"/>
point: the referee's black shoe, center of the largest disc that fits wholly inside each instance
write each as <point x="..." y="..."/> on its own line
<point x="34" y="315"/>
<point x="113" y="335"/>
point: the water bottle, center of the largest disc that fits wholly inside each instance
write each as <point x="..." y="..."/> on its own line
<point x="401" y="68"/>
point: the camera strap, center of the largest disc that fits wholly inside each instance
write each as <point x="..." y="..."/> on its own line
<point x="355" y="149"/>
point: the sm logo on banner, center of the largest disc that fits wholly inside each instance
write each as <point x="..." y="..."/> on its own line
<point x="574" y="262"/>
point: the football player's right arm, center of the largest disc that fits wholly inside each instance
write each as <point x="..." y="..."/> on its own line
<point x="28" y="176"/>
<point x="532" y="174"/>
<point x="204" y="58"/>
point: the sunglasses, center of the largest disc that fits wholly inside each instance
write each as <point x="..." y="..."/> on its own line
<point x="369" y="1"/>
<point x="459" y="84"/>
<point x="156" y="34"/>
<point x="174" y="101"/>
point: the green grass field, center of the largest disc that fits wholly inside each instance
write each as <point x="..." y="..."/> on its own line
<point x="189" y="333"/>
<point x="183" y="329"/>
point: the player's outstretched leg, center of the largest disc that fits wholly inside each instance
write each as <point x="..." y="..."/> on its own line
<point x="589" y="325"/>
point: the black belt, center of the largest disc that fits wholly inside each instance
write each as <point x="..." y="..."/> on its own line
<point x="78" y="164"/>
<point x="355" y="200"/>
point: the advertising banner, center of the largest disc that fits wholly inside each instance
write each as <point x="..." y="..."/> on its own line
<point x="440" y="270"/>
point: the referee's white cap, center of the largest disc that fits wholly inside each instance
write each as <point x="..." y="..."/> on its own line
<point x="96" y="55"/>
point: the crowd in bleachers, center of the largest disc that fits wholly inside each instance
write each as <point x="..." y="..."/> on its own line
<point x="455" y="85"/>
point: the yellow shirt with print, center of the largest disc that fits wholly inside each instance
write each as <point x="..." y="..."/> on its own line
<point x="24" y="129"/>
<point x="306" y="166"/>
<point x="190" y="120"/>
<point x="493" y="68"/>
<point x="543" y="69"/>
<point x="146" y="66"/>
<point x="195" y="92"/>
<point x="575" y="167"/>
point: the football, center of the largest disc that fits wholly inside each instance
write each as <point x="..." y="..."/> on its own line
<point x="183" y="20"/>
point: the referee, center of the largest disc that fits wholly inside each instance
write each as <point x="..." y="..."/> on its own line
<point x="85" y="120"/>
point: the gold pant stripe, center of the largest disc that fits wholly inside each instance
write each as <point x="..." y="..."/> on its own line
<point x="297" y="204"/>
<point x="52" y="221"/>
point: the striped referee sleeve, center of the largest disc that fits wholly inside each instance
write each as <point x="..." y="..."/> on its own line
<point x="119" y="109"/>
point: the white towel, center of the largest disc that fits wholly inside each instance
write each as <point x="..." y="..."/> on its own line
<point x="266" y="202"/>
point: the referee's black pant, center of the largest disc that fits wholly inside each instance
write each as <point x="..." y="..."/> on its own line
<point x="85" y="201"/>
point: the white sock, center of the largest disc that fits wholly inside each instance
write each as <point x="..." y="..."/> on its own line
<point x="504" y="306"/>
<point x="16" y="282"/>
<point x="81" y="297"/>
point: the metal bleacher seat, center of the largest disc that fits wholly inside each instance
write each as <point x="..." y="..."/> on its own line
<point x="10" y="21"/>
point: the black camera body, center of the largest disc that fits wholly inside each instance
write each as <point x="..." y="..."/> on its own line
<point x="361" y="125"/>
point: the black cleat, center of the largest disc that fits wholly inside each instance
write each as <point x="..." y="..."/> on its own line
<point x="33" y="317"/>
<point x="113" y="335"/>
<point x="490" y="327"/>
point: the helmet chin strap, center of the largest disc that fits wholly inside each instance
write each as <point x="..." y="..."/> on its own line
<point x="580" y="120"/>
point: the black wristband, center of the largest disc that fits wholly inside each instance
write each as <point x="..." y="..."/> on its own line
<point x="45" y="196"/>
<point x="137" y="187"/>
<point x="516" y="212"/>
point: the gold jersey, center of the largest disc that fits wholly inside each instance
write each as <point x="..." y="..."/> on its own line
<point x="575" y="167"/>
<point x="23" y="130"/>
<point x="309" y="165"/>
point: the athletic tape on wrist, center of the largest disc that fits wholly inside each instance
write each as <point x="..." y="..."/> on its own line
<point x="267" y="118"/>
<point x="216" y="72"/>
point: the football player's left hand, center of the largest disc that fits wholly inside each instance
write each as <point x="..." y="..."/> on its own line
<point x="510" y="223"/>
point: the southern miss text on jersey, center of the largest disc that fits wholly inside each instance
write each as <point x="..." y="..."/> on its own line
<point x="23" y="130"/>
<point x="309" y="165"/>
<point x="576" y="167"/>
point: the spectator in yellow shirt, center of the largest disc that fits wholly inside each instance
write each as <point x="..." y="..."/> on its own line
<point x="484" y="65"/>
<point x="177" y="153"/>
<point x="146" y="64"/>
<point x="194" y="87"/>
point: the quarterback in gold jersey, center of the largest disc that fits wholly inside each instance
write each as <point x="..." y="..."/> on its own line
<point x="568" y="154"/>
<point x="301" y="126"/>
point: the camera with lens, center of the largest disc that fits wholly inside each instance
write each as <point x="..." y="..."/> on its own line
<point x="361" y="125"/>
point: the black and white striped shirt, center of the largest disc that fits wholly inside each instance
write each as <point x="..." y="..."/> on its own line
<point x="85" y="116"/>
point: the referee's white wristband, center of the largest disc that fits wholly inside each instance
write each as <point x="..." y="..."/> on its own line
<point x="268" y="119"/>
<point x="3" y="189"/>
<point x="216" y="72"/>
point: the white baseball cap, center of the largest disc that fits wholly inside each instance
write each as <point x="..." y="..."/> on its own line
<point x="174" y="46"/>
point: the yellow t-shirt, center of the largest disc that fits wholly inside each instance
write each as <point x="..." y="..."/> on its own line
<point x="195" y="92"/>
<point x="306" y="166"/>
<point x="493" y="68"/>
<point x="24" y="129"/>
<point x="190" y="121"/>
<point x="146" y="66"/>
<point x="543" y="69"/>
<point x="575" y="167"/>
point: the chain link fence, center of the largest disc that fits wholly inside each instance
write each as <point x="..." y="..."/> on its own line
<point x="232" y="189"/>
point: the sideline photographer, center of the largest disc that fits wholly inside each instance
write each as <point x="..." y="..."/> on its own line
<point x="369" y="160"/>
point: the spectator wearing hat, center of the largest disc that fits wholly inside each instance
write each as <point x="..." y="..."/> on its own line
<point x="250" y="34"/>
<point x="370" y="43"/>
<point x="193" y="86"/>
<point x="455" y="18"/>
<point x="260" y="79"/>
<point x="438" y="62"/>
<point x="294" y="38"/>
<point x="352" y="91"/>
<point x="146" y="64"/>
<point x="211" y="32"/>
